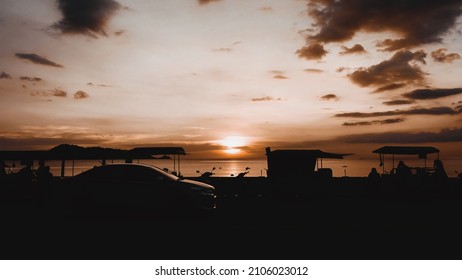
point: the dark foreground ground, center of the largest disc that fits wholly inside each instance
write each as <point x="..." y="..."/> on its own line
<point x="247" y="224"/>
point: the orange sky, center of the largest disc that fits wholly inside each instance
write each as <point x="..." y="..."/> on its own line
<point x="228" y="78"/>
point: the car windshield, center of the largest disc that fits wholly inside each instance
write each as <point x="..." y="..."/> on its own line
<point x="170" y="175"/>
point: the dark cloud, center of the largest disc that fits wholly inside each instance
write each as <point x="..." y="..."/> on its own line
<point x="396" y="70"/>
<point x="119" y="33"/>
<point x="330" y="97"/>
<point x="81" y="95"/>
<point x="5" y="75"/>
<point x="440" y="55"/>
<point x="386" y="121"/>
<point x="98" y="85"/>
<point x="341" y="69"/>
<point x="59" y="93"/>
<point x="266" y="9"/>
<point x="280" y="77"/>
<point x="49" y="93"/>
<point x="412" y="111"/>
<point x="414" y="22"/>
<point x="222" y="50"/>
<point x="398" y="102"/>
<point x="88" y="17"/>
<point x="30" y="79"/>
<point x="37" y="59"/>
<point x="423" y="94"/>
<point x="266" y="98"/>
<point x="389" y="87"/>
<point x="445" y="135"/>
<point x="357" y="48"/>
<point x="312" y="51"/>
<point x="313" y="70"/>
<point x="205" y="2"/>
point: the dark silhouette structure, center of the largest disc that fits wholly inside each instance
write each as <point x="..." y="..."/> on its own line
<point x="402" y="170"/>
<point x="373" y="177"/>
<point x="299" y="171"/>
<point x="2" y="170"/>
<point x="66" y="152"/>
<point x="43" y="173"/>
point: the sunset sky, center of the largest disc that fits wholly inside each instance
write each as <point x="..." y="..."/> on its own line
<point x="227" y="78"/>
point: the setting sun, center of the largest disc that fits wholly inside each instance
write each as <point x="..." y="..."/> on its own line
<point x="232" y="151"/>
<point x="232" y="144"/>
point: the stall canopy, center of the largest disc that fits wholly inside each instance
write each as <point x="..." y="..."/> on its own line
<point x="73" y="152"/>
<point x="421" y="152"/>
<point x="284" y="163"/>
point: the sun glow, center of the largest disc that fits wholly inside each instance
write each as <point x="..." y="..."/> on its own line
<point x="232" y="144"/>
<point x="232" y="151"/>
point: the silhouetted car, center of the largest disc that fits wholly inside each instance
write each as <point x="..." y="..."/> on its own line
<point x="140" y="186"/>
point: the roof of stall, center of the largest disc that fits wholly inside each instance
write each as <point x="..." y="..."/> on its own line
<point x="73" y="152"/>
<point x="406" y="150"/>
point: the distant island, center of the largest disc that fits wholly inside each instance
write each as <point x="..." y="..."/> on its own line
<point x="162" y="157"/>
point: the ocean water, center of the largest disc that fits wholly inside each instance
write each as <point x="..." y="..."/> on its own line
<point x="351" y="167"/>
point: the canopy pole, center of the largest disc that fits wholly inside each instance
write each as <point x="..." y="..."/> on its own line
<point x="63" y="165"/>
<point x="382" y="160"/>
<point x="393" y="162"/>
<point x="174" y="163"/>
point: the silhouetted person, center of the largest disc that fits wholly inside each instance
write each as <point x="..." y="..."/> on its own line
<point x="43" y="173"/>
<point x="374" y="176"/>
<point x="26" y="174"/>
<point x="403" y="170"/>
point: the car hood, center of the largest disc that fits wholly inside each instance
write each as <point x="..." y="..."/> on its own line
<point x="197" y="183"/>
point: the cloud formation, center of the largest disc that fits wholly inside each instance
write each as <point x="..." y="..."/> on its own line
<point x="52" y="92"/>
<point x="5" y="75"/>
<point x="312" y="52"/>
<point x="424" y="94"/>
<point x="398" y="102"/>
<point x="37" y="59"/>
<point x="412" y="111"/>
<point x="390" y="73"/>
<point x="389" y="87"/>
<point x="445" y="135"/>
<point x="330" y="97"/>
<point x="59" y="92"/>
<point x="30" y="79"/>
<point x="280" y="77"/>
<point x="356" y="49"/>
<point x="87" y="17"/>
<point x="81" y="95"/>
<point x="414" y="22"/>
<point x="205" y="2"/>
<point x="386" y="121"/>
<point x="222" y="50"/>
<point x="266" y="98"/>
<point x="98" y="85"/>
<point x="266" y="9"/>
<point x="440" y="55"/>
<point x="313" y="70"/>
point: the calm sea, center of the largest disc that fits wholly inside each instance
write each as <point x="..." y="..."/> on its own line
<point x="228" y="168"/>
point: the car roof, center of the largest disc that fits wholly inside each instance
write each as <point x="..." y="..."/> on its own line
<point x="130" y="165"/>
